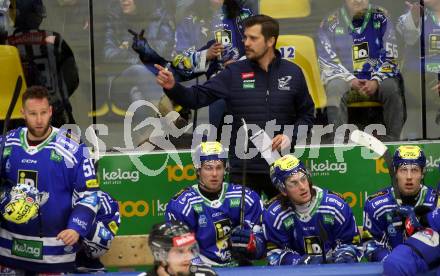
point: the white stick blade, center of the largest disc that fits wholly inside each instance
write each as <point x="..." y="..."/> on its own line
<point x="368" y="141"/>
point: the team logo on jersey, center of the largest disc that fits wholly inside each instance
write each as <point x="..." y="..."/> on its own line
<point x="198" y="208"/>
<point x="28" y="177"/>
<point x="7" y="151"/>
<point x="222" y="229"/>
<point x="360" y="51"/>
<point x="283" y="83"/>
<point x="288" y="223"/>
<point x="339" y="31"/>
<point x="328" y="219"/>
<point x="312" y="245"/>
<point x="434" y="43"/>
<point x="223" y="36"/>
<point x="234" y="202"/>
<point x="54" y="156"/>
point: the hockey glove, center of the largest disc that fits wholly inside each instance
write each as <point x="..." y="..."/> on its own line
<point x="374" y="252"/>
<point x="311" y="259"/>
<point x="346" y="253"/>
<point x="412" y="223"/>
<point x="146" y="53"/>
<point x="283" y="257"/>
<point x="247" y="243"/>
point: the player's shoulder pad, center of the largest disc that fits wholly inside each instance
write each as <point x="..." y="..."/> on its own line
<point x="379" y="13"/>
<point x="68" y="141"/>
<point x="334" y="199"/>
<point x="237" y="187"/>
<point x="336" y="194"/>
<point x="331" y="21"/>
<point x="14" y="133"/>
<point x="245" y="13"/>
<point x="184" y="195"/>
<point x="377" y="195"/>
<point x="274" y="205"/>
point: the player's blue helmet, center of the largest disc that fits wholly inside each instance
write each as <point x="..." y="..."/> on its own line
<point x="208" y="151"/>
<point x="409" y="154"/>
<point x="284" y="167"/>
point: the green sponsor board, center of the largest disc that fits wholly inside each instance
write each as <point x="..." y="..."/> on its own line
<point x="143" y="198"/>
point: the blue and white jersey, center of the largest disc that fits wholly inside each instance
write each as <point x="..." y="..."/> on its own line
<point x="286" y="229"/>
<point x="61" y="170"/>
<point x="380" y="221"/>
<point x="363" y="48"/>
<point x="411" y="34"/>
<point x="104" y="228"/>
<point x="194" y="36"/>
<point x="213" y="221"/>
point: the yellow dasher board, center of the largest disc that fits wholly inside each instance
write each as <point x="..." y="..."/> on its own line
<point x="10" y="70"/>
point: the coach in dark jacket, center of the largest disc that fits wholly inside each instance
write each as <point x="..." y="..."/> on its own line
<point x="260" y="89"/>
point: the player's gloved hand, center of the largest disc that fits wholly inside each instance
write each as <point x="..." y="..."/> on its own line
<point x="146" y="53"/>
<point x="283" y="257"/>
<point x="412" y="223"/>
<point x="311" y="259"/>
<point x="374" y="251"/>
<point x="346" y="253"/>
<point x="247" y="243"/>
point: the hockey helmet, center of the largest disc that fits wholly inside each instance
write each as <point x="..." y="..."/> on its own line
<point x="284" y="167"/>
<point x="164" y="236"/>
<point x="406" y="155"/>
<point x="20" y="204"/>
<point x="208" y="151"/>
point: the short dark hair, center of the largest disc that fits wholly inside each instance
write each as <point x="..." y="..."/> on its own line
<point x="35" y="92"/>
<point x="269" y="26"/>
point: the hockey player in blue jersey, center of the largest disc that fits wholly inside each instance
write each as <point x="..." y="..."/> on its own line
<point x="211" y="208"/>
<point x="383" y="228"/>
<point x="54" y="163"/>
<point x="421" y="251"/>
<point x="305" y="224"/>
<point x="99" y="239"/>
<point x="357" y="56"/>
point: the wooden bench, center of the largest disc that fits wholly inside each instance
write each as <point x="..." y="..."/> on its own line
<point x="128" y="251"/>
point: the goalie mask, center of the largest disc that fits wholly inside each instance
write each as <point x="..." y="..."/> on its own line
<point x="20" y="204"/>
<point x="409" y="155"/>
<point x="284" y="167"/>
<point x="166" y="236"/>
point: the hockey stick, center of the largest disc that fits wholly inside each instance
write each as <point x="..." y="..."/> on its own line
<point x="11" y="107"/>
<point x="372" y="143"/>
<point x="243" y="188"/>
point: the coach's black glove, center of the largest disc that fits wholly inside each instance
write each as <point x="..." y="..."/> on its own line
<point x="146" y="53"/>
